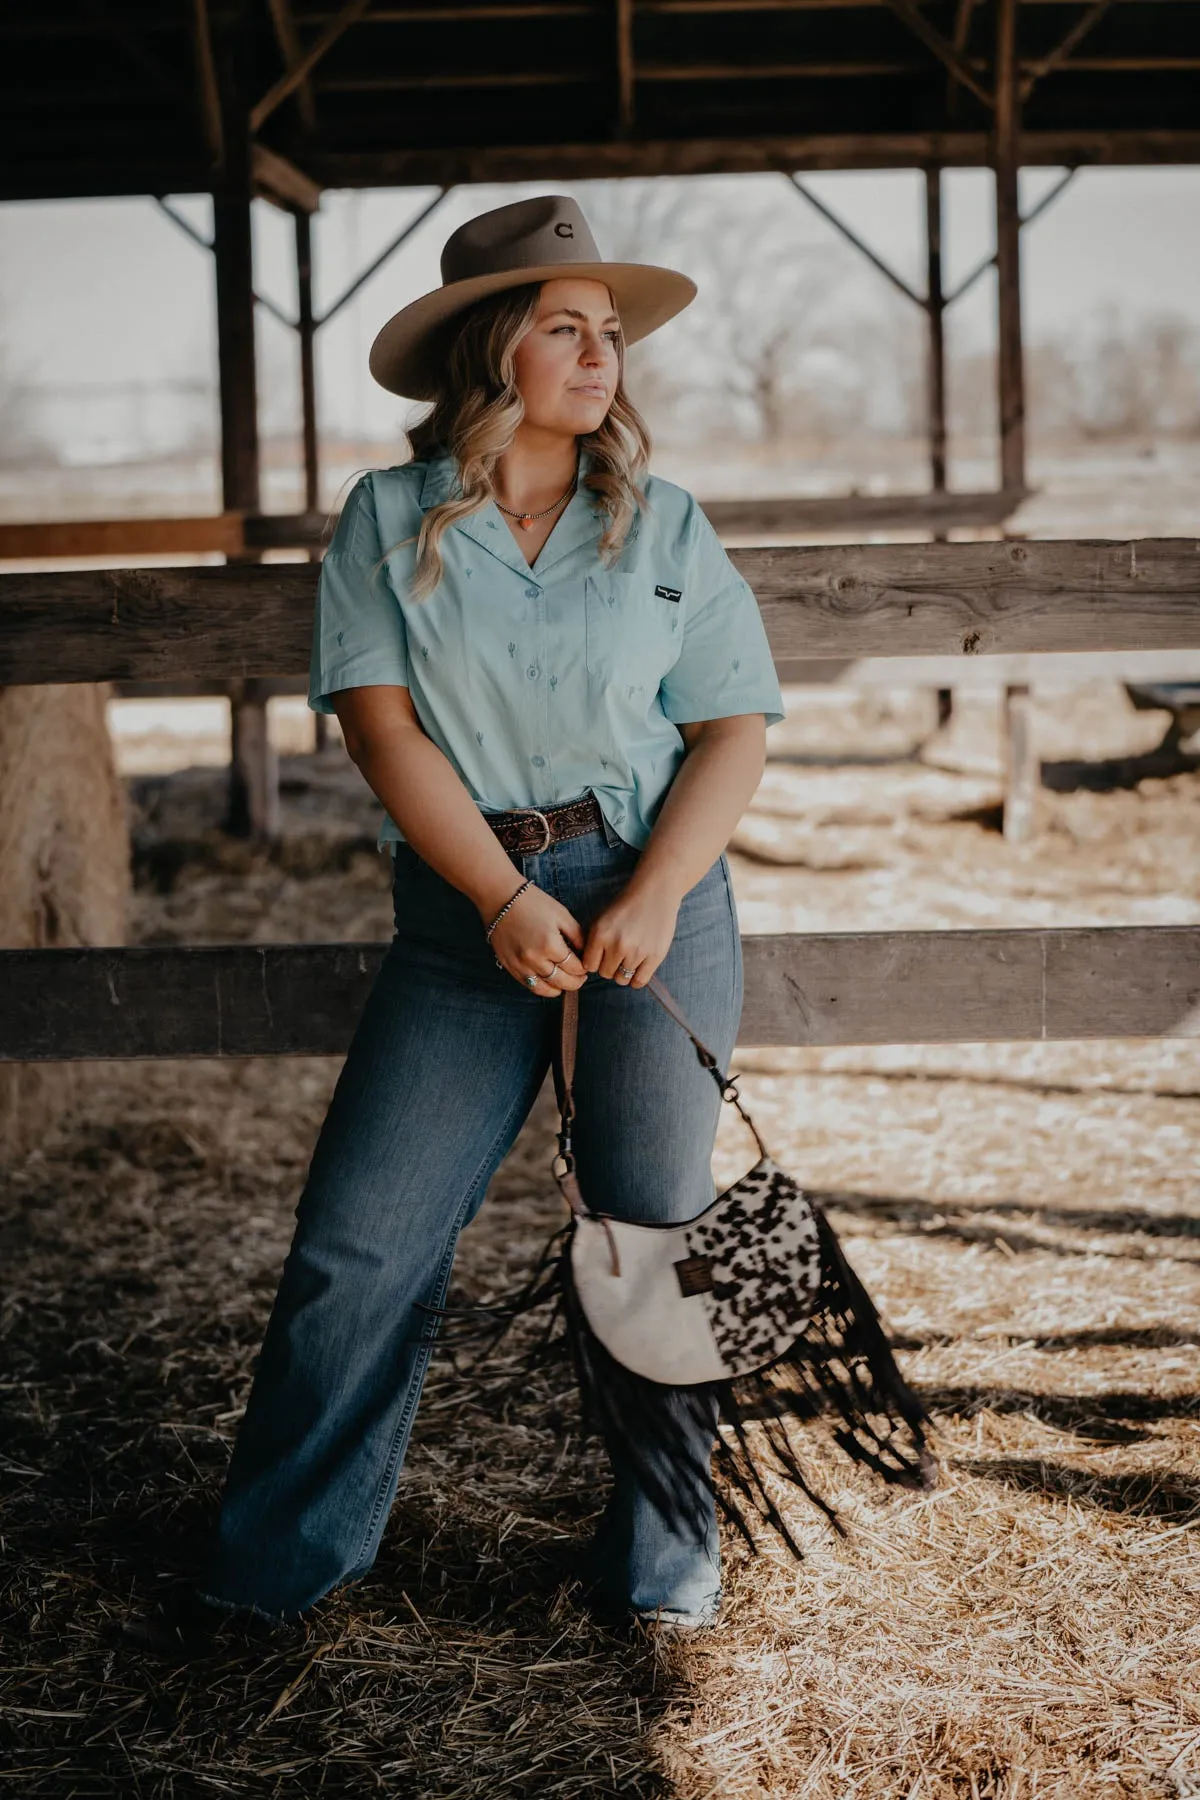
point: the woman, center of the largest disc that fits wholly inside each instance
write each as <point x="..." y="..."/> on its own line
<point x="558" y="687"/>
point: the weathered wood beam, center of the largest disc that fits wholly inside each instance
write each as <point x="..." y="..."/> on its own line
<point x="300" y="70"/>
<point x="306" y="331"/>
<point x="235" y="533"/>
<point x="836" y="600"/>
<point x="207" y="91"/>
<point x="1033" y="72"/>
<point x="292" y="52"/>
<point x="960" y="38"/>
<point x="226" y="534"/>
<point x="39" y="178"/>
<point x="933" y="40"/>
<point x="575" y="75"/>
<point x="909" y="987"/>
<point x="1010" y="359"/>
<point x="715" y="155"/>
<point x="1021" y="769"/>
<point x="447" y="12"/>
<point x="935" y="310"/>
<point x="221" y="532"/>
<point x="624" y="60"/>
<point x="862" y="512"/>
<point x="253" y="793"/>
<point x="277" y="179"/>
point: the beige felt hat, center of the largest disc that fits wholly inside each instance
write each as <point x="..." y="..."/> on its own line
<point x="529" y="240"/>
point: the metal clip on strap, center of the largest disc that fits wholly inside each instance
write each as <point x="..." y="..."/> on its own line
<point x="564" y="1077"/>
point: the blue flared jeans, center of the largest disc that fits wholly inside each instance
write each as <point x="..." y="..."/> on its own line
<point x="446" y="1061"/>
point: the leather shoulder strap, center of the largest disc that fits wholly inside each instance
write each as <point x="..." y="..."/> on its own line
<point x="564" y="1078"/>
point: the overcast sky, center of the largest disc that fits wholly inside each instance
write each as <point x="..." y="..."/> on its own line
<point x="112" y="293"/>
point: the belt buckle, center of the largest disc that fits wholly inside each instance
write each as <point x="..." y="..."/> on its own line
<point x="537" y="850"/>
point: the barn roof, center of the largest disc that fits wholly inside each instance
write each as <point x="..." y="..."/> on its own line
<point x="134" y="96"/>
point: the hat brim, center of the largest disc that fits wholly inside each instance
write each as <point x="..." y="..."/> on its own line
<point x="404" y="357"/>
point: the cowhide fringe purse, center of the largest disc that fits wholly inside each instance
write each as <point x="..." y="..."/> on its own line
<point x="748" y="1313"/>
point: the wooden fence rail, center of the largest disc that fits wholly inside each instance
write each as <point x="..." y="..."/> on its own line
<point x="844" y="600"/>
<point x="912" y="987"/>
<point x="847" y="601"/>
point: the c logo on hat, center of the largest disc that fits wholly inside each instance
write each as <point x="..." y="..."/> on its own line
<point x="562" y="229"/>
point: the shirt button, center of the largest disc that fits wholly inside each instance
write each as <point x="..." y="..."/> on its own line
<point x="531" y="593"/>
<point x="531" y="671"/>
<point x="539" y="762"/>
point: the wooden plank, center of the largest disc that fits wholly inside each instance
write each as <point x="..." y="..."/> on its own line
<point x="61" y="538"/>
<point x="279" y="180"/>
<point x="307" y="62"/>
<point x="254" y="809"/>
<point x="146" y="171"/>
<point x="933" y="40"/>
<point x="233" y="533"/>
<point x="912" y="987"/>
<point x="712" y="155"/>
<point x="976" y="599"/>
<point x="291" y="49"/>
<point x="834" y="600"/>
<point x="933" y="511"/>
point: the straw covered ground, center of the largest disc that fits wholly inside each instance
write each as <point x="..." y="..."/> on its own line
<point x="1027" y="1216"/>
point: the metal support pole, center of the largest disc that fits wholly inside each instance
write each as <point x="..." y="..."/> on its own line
<point x="1006" y="161"/>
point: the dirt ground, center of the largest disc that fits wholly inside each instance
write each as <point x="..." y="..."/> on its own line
<point x="1028" y="1217"/>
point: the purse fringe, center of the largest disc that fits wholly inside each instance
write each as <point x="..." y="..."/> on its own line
<point x="841" y="1366"/>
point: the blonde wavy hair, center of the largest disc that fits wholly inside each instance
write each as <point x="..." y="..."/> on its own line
<point x="475" y="419"/>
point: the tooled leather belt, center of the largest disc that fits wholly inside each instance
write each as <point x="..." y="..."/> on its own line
<point x="530" y="828"/>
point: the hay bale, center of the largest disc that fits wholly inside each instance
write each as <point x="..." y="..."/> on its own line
<point x="64" y="849"/>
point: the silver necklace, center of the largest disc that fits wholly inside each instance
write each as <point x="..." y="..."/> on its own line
<point x="525" y="519"/>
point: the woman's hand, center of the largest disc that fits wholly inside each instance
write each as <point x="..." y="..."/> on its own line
<point x="537" y="932"/>
<point x="633" y="932"/>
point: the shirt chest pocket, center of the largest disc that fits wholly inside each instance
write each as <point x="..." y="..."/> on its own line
<point x="631" y="633"/>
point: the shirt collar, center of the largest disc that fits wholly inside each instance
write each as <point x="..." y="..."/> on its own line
<point x="577" y="524"/>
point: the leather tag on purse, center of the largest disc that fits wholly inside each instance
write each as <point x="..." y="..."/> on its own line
<point x="695" y="1275"/>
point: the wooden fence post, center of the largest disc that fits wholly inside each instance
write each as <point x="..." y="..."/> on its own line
<point x="306" y="331"/>
<point x="253" y="801"/>
<point x="1006" y="161"/>
<point x="1021" y="769"/>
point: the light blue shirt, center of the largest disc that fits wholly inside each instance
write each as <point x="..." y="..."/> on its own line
<point x="541" y="683"/>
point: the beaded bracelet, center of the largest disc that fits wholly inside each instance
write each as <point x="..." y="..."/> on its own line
<point x="505" y="907"/>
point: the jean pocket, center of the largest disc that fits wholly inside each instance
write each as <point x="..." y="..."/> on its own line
<point x="629" y="630"/>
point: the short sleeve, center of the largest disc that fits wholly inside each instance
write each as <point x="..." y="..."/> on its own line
<point x="359" y="638"/>
<point x="725" y="665"/>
